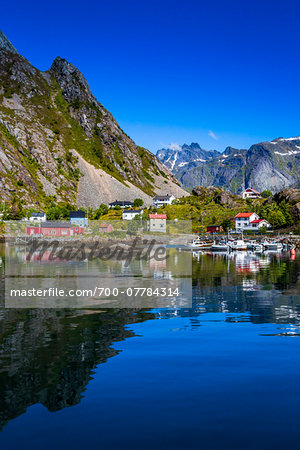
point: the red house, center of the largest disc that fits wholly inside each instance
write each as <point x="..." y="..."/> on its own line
<point x="105" y="228"/>
<point x="214" y="229"/>
<point x="54" y="229"/>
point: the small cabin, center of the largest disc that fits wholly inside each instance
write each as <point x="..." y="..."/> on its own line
<point x="78" y="218"/>
<point x="105" y="228"/>
<point x="158" y="222"/>
<point x="54" y="229"/>
<point x="130" y="214"/>
<point x="251" y="193"/>
<point x="214" y="229"/>
<point x="36" y="217"/>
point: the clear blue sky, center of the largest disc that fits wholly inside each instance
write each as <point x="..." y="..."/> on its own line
<point x="215" y="72"/>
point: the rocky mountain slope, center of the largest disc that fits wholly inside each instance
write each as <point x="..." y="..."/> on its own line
<point x="177" y="158"/>
<point x="271" y="165"/>
<point x="58" y="143"/>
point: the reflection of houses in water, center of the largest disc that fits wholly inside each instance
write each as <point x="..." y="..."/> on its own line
<point x="156" y="265"/>
<point x="247" y="263"/>
<point x="159" y="265"/>
<point x="46" y="256"/>
<point x="249" y="285"/>
<point x="162" y="275"/>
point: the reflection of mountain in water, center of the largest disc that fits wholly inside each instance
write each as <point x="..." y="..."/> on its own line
<point x="264" y="287"/>
<point x="48" y="356"/>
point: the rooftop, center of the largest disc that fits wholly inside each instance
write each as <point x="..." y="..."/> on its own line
<point x="162" y="197"/>
<point x="252" y="190"/>
<point x="54" y="224"/>
<point x="77" y="215"/>
<point x="137" y="211"/>
<point x="121" y="202"/>
<point x="243" y="215"/>
<point x="39" y="214"/>
<point x="157" y="216"/>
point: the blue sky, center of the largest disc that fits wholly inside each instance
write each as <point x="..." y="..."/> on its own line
<point x="215" y="72"/>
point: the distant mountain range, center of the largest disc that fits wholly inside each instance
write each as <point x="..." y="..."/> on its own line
<point x="59" y="144"/>
<point x="271" y="165"/>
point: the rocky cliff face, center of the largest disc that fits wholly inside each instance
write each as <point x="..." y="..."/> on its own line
<point x="177" y="157"/>
<point x="271" y="165"/>
<point x="290" y="197"/>
<point x="5" y="44"/>
<point x="51" y="126"/>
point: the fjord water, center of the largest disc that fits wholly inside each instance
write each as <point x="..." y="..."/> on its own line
<point x="222" y="374"/>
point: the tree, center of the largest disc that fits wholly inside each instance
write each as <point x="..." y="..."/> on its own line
<point x="101" y="211"/>
<point x="266" y="193"/>
<point x="60" y="212"/>
<point x="133" y="225"/>
<point x="226" y="224"/>
<point x="276" y="219"/>
<point x="284" y="208"/>
<point x="138" y="202"/>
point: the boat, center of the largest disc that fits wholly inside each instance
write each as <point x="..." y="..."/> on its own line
<point x="272" y="245"/>
<point x="198" y="244"/>
<point x="258" y="248"/>
<point x="254" y="246"/>
<point x="221" y="246"/>
<point x="239" y="245"/>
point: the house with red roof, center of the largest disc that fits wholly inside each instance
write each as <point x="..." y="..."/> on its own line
<point x="105" y="228"/>
<point x="158" y="222"/>
<point x="250" y="222"/>
<point x="259" y="223"/>
<point x="214" y="229"/>
<point x="251" y="193"/>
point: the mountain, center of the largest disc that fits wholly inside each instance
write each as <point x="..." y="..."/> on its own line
<point x="58" y="143"/>
<point x="177" y="157"/>
<point x="271" y="165"/>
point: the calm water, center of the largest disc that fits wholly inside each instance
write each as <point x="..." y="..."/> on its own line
<point x="224" y="374"/>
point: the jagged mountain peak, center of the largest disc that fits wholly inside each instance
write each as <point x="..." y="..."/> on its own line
<point x="185" y="156"/>
<point x="58" y="143"/>
<point x="272" y="165"/>
<point x="70" y="80"/>
<point x="5" y="44"/>
<point x="192" y="146"/>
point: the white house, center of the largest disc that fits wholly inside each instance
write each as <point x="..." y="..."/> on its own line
<point x="162" y="200"/>
<point x="259" y="223"/>
<point x="251" y="193"/>
<point x="78" y="218"/>
<point x="129" y="214"/>
<point x="36" y="217"/>
<point x="242" y="220"/>
<point x="250" y="222"/>
<point x="158" y="222"/>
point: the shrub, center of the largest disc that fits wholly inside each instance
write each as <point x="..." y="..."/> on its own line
<point x="266" y="193"/>
<point x="138" y="202"/>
